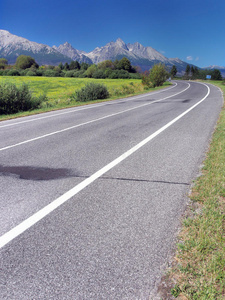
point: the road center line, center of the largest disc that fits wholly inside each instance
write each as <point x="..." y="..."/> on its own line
<point x="89" y="122"/>
<point x="84" y="108"/>
<point x="26" y="224"/>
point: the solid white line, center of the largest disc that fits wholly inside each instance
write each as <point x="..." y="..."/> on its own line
<point x="26" y="224"/>
<point x="77" y="109"/>
<point x="85" y="123"/>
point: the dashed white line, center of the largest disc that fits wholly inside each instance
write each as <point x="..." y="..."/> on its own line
<point x="85" y="123"/>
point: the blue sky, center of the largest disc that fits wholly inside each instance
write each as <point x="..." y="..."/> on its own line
<point x="193" y="30"/>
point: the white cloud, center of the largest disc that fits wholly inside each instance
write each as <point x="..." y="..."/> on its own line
<point x="161" y="51"/>
<point x="189" y="58"/>
<point x="197" y="58"/>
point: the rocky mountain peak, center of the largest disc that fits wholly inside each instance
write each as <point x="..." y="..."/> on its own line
<point x="66" y="44"/>
<point x="135" y="47"/>
<point x="121" y="43"/>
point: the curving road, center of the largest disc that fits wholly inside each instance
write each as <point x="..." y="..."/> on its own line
<point x="91" y="198"/>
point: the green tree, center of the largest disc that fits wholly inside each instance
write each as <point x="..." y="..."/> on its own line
<point x="187" y="71"/>
<point x="158" y="75"/>
<point x="173" y="71"/>
<point x="124" y="64"/>
<point x="61" y="66"/>
<point x="25" y="62"/>
<point x="74" y="65"/>
<point x="91" y="70"/>
<point x="216" y="75"/>
<point x="84" y="66"/>
<point x="194" y="72"/>
<point x="66" y="67"/>
<point x="3" y="63"/>
<point x="116" y="64"/>
<point x="106" y="64"/>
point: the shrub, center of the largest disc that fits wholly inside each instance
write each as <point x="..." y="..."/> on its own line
<point x="77" y="73"/>
<point x="39" y="72"/>
<point x="69" y="73"/>
<point x="135" y="75"/>
<point x="99" y="74"/>
<point x="50" y="73"/>
<point x="92" y="91"/>
<point x="23" y="73"/>
<point x="119" y="74"/>
<point x="127" y="89"/>
<point x="82" y="74"/>
<point x="5" y="72"/>
<point x="146" y="81"/>
<point x="31" y="73"/>
<point x="158" y="75"/>
<point x="15" y="99"/>
<point x="13" y="72"/>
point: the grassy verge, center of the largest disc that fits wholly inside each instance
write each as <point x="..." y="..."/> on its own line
<point x="59" y="90"/>
<point x="199" y="271"/>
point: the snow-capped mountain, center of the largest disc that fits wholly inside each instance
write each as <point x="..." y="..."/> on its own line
<point x="144" y="57"/>
<point x="136" y="53"/>
<point x="67" y="50"/>
<point x="10" y="42"/>
<point x="11" y="46"/>
<point x="146" y="52"/>
<point x="112" y="51"/>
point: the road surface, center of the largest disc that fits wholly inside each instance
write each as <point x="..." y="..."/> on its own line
<point x="92" y="197"/>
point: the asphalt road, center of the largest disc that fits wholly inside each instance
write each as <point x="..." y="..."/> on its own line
<point x="91" y="198"/>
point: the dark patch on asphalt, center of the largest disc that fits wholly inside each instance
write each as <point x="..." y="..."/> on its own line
<point x="40" y="173"/>
<point x="186" y="101"/>
<point x="145" y="100"/>
<point x="36" y="173"/>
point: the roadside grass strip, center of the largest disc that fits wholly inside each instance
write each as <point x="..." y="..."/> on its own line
<point x="199" y="271"/>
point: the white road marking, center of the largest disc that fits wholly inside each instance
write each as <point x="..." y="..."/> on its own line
<point x="84" y="108"/>
<point x="85" y="123"/>
<point x="26" y="224"/>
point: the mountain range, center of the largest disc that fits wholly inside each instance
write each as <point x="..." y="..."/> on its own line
<point x="11" y="46"/>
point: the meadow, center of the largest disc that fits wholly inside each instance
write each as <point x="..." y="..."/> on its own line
<point x="59" y="90"/>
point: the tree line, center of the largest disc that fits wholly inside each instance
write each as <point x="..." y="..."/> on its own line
<point x="192" y="72"/>
<point x="27" y="66"/>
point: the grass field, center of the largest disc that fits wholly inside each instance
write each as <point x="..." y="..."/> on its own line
<point x="59" y="90"/>
<point x="199" y="271"/>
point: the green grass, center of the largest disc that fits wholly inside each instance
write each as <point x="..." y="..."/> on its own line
<point x="59" y="90"/>
<point x="200" y="269"/>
